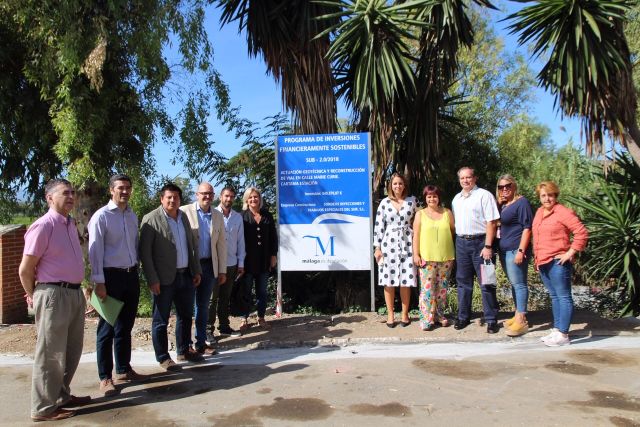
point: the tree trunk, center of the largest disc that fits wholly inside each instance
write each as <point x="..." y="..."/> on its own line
<point x="88" y="200"/>
<point x="632" y="143"/>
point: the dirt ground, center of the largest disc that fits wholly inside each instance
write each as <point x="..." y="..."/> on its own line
<point x="309" y="330"/>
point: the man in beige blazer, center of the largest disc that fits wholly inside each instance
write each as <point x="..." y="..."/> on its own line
<point x="170" y="263"/>
<point x="207" y="229"/>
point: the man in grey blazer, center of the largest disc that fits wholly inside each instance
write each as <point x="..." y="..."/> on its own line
<point x="207" y="227"/>
<point x="170" y="264"/>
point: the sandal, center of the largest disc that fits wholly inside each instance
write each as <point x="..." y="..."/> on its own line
<point x="444" y="322"/>
<point x="244" y="325"/>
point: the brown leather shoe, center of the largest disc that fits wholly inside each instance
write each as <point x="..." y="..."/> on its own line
<point x="76" y="401"/>
<point x="131" y="376"/>
<point x="207" y="350"/>
<point x="58" y="414"/>
<point x="169" y="365"/>
<point x="190" y="356"/>
<point x="107" y="388"/>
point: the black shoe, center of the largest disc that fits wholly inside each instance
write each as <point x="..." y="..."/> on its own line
<point x="391" y="325"/>
<point x="461" y="324"/>
<point x="229" y="332"/>
<point x="492" y="327"/>
<point x="405" y="324"/>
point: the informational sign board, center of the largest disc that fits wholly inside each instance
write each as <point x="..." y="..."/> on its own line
<point x="324" y="202"/>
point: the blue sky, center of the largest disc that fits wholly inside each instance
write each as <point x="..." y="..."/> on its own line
<point x="259" y="96"/>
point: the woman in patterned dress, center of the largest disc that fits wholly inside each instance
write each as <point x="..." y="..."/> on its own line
<point x="434" y="256"/>
<point x="393" y="247"/>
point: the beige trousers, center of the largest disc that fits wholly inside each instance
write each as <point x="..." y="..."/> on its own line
<point x="60" y="327"/>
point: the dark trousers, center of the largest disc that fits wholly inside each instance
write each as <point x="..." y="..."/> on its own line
<point x="468" y="261"/>
<point x="203" y="299"/>
<point x="220" y="300"/>
<point x="180" y="293"/>
<point x="116" y="339"/>
<point x="260" y="281"/>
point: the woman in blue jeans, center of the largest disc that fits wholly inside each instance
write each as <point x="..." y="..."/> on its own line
<point x="261" y="244"/>
<point x="515" y="234"/>
<point x="553" y="227"/>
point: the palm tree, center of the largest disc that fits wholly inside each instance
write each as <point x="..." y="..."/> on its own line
<point x="391" y="62"/>
<point x="284" y="33"/>
<point x="589" y="66"/>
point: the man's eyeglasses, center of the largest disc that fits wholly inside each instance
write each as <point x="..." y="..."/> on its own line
<point x="505" y="187"/>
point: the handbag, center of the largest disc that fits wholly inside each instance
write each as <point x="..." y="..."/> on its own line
<point x="487" y="273"/>
<point x="240" y="298"/>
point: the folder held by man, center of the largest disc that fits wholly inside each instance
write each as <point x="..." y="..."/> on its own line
<point x="109" y="309"/>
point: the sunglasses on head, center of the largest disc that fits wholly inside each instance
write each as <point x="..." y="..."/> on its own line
<point x="505" y="187"/>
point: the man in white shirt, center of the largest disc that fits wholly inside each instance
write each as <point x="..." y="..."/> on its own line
<point x="476" y="215"/>
<point x="234" y="236"/>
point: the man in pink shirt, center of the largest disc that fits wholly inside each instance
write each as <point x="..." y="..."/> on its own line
<point x="51" y="272"/>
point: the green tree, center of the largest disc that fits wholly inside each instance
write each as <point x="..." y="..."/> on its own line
<point x="588" y="64"/>
<point x="93" y="86"/>
<point x="611" y="212"/>
<point x="254" y="164"/>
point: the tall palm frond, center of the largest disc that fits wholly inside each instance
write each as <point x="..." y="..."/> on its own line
<point x="372" y="59"/>
<point x="448" y="28"/>
<point x="283" y="32"/>
<point x="588" y="66"/>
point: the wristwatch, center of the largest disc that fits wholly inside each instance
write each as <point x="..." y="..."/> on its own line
<point x="488" y="247"/>
<point x="521" y="250"/>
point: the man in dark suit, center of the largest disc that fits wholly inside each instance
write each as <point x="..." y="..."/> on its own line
<point x="170" y="264"/>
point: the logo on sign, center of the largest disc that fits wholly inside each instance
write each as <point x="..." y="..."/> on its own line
<point x="323" y="246"/>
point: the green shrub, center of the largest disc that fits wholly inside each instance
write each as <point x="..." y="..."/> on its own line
<point x="612" y="216"/>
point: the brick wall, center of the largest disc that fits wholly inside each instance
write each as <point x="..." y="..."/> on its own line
<point x="13" y="308"/>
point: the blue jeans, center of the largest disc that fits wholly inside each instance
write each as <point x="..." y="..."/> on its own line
<point x="468" y="260"/>
<point x="557" y="280"/>
<point x="260" y="282"/>
<point x="203" y="297"/>
<point x="181" y="293"/>
<point x="116" y="340"/>
<point x="517" y="275"/>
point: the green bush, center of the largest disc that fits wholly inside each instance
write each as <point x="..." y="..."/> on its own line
<point x="612" y="216"/>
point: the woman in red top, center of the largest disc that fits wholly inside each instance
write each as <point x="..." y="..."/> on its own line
<point x="554" y="252"/>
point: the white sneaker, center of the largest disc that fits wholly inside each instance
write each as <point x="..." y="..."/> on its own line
<point x="549" y="335"/>
<point x="557" y="340"/>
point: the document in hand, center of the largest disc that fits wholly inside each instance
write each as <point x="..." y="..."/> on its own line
<point x="107" y="309"/>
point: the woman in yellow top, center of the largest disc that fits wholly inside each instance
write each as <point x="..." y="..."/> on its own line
<point x="433" y="231"/>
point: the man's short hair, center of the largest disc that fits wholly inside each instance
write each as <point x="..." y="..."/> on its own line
<point x="229" y="189"/>
<point x="119" y="177"/>
<point x="53" y="183"/>
<point x="170" y="186"/>
<point x="473" y="171"/>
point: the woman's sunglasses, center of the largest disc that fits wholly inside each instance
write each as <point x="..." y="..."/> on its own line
<point x="505" y="187"/>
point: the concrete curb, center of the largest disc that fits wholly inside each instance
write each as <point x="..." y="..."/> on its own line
<point x="345" y="342"/>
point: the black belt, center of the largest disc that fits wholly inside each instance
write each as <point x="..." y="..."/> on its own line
<point x="62" y="284"/>
<point x="182" y="270"/>
<point x="122" y="270"/>
<point x="471" y="236"/>
<point x="206" y="260"/>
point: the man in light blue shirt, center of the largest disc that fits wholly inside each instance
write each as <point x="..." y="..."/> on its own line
<point x="207" y="228"/>
<point x="113" y="254"/>
<point x="234" y="236"/>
